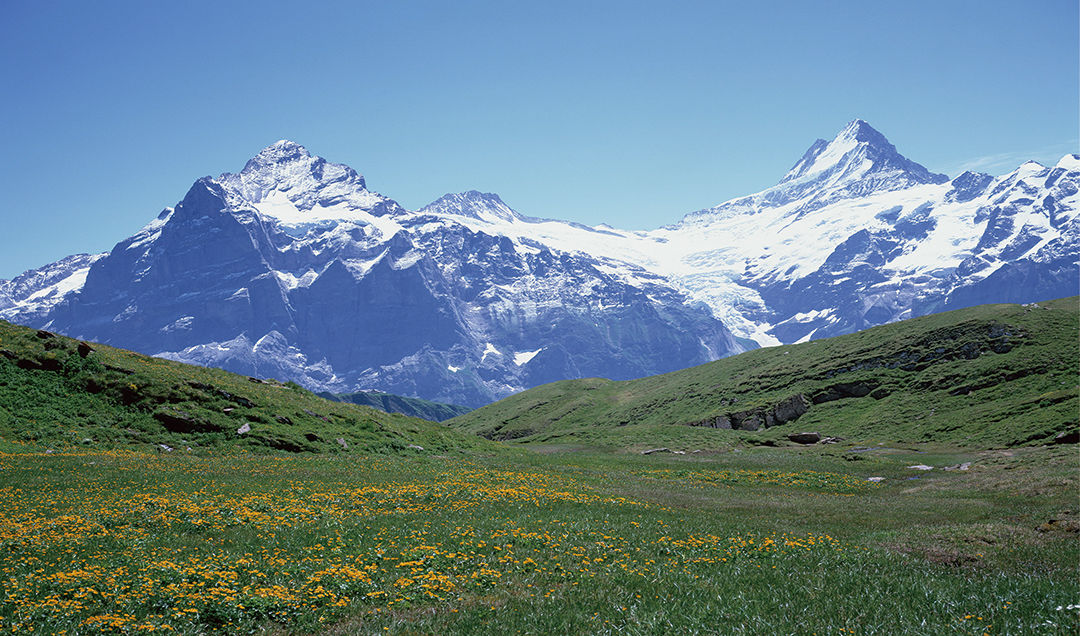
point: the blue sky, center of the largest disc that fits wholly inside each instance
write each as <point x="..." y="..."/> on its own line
<point x="627" y="113"/>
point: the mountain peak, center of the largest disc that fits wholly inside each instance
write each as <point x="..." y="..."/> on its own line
<point x="862" y="132"/>
<point x="857" y="152"/>
<point x="485" y="206"/>
<point x="305" y="179"/>
<point x="281" y="151"/>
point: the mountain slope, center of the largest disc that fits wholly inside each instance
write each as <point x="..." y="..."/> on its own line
<point x="857" y="235"/>
<point x="994" y="375"/>
<point x="390" y="403"/>
<point x="294" y="269"/>
<point x="58" y="392"/>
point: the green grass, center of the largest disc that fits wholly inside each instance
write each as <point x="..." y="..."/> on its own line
<point x="118" y="399"/>
<point x="989" y="376"/>
<point x="787" y="541"/>
<point x="284" y="530"/>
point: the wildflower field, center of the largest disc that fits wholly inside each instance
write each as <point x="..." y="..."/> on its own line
<point x="766" y="542"/>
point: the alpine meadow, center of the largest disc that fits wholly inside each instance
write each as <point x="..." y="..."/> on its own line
<point x="652" y="319"/>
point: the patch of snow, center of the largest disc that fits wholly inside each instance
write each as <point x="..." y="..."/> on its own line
<point x="523" y="357"/>
<point x="488" y="350"/>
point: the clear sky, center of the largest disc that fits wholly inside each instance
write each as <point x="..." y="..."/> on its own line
<point x="625" y="113"/>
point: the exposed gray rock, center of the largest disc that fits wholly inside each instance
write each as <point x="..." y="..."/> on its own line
<point x="653" y="451"/>
<point x="805" y="438"/>
<point x="790" y="409"/>
<point x="747" y="420"/>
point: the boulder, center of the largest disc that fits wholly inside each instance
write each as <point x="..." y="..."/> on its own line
<point x="344" y="444"/>
<point x="653" y="451"/>
<point x="243" y="429"/>
<point x="746" y="420"/>
<point x="805" y="438"/>
<point x="415" y="447"/>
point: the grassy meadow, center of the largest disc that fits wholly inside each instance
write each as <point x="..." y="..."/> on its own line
<point x="142" y="495"/>
<point x="758" y="541"/>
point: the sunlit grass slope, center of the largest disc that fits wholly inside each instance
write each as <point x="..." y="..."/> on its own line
<point x="58" y="392"/>
<point x="988" y="376"/>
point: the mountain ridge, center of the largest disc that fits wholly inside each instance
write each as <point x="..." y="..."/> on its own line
<point x="249" y="266"/>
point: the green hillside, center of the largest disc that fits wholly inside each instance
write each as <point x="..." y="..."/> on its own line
<point x="990" y="376"/>
<point x="390" y="403"/>
<point x="58" y="392"/>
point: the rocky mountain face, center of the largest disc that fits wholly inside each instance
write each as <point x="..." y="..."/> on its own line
<point x="857" y="235"/>
<point x="293" y="269"/>
<point x="879" y="239"/>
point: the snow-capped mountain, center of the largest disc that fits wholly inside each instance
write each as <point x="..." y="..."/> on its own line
<point x="293" y="269"/>
<point x="878" y="238"/>
<point x="857" y="235"/>
<point x="32" y="294"/>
